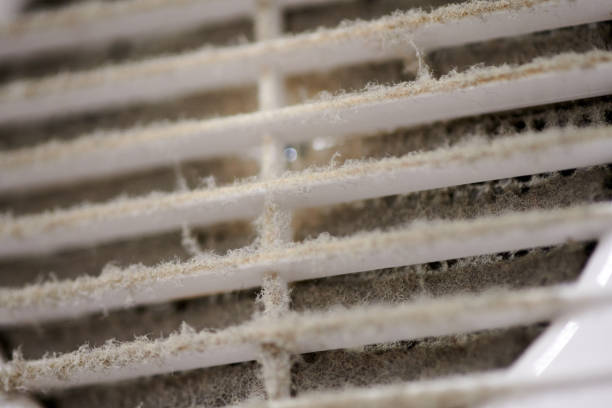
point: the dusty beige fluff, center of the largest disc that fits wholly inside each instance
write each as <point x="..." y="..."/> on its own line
<point x="56" y="150"/>
<point x="31" y="225"/>
<point x="275" y="363"/>
<point x="293" y="328"/>
<point x="387" y="30"/>
<point x="468" y="201"/>
<point x="344" y="399"/>
<point x="208" y="387"/>
<point x="138" y="277"/>
<point x="212" y="387"/>
<point x="587" y="185"/>
<point x="455" y="132"/>
<point x="274" y="225"/>
<point x="274" y="230"/>
<point x="200" y="174"/>
<point x="274" y="358"/>
<point x="150" y="250"/>
<point x="420" y="138"/>
<point x="225" y="102"/>
<point x="287" y="331"/>
<point x="440" y="359"/>
<point x="513" y="270"/>
<point x="94" y="11"/>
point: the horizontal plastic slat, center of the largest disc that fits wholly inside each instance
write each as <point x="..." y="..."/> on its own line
<point x="513" y="156"/>
<point x="322" y="50"/>
<point x="466" y="391"/>
<point x="564" y="77"/>
<point x="84" y="25"/>
<point x="426" y="242"/>
<point x="299" y="334"/>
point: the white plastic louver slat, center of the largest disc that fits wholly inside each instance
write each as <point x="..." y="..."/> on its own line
<point x="379" y="110"/>
<point x="117" y="288"/>
<point x="304" y="333"/>
<point x="90" y="24"/>
<point x="511" y="157"/>
<point x="569" y="344"/>
<point x="362" y="42"/>
<point x="307" y="333"/>
<point x="466" y="390"/>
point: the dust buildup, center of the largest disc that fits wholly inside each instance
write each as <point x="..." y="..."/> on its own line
<point x="306" y="87"/>
<point x="441" y="134"/>
<point x="366" y="366"/>
<point x="197" y="175"/>
<point x="275" y="361"/>
<point x="197" y="106"/>
<point x="209" y="387"/>
<point x="149" y="251"/>
<point x="508" y="270"/>
<point x="514" y="51"/>
<point x="155" y="321"/>
<point x="125" y="50"/>
<point x="411" y="360"/>
<point x="522" y="49"/>
<point x="542" y="191"/>
<point x="312" y="17"/>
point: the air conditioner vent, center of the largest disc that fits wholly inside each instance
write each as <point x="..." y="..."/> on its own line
<point x="305" y="203"/>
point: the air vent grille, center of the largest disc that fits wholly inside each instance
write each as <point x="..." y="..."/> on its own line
<point x="448" y="207"/>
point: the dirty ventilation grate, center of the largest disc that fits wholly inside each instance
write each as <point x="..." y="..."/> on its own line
<point x="530" y="156"/>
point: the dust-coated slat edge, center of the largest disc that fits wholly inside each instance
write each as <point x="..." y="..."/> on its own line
<point x="9" y="400"/>
<point x="426" y="242"/>
<point x="381" y="39"/>
<point x="300" y="334"/>
<point x="560" y="78"/>
<point x="512" y="156"/>
<point x="97" y="22"/>
<point x="466" y="390"/>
